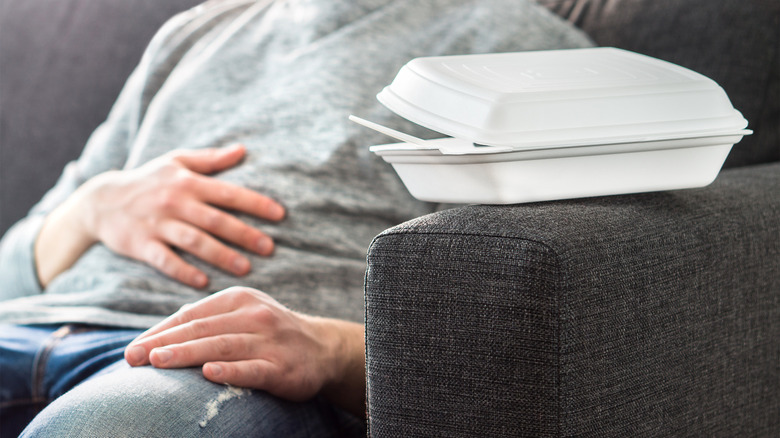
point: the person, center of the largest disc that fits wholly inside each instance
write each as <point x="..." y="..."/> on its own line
<point x="199" y="268"/>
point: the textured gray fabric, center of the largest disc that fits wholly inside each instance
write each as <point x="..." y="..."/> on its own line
<point x="734" y="42"/>
<point x="281" y="77"/>
<point x="644" y="315"/>
<point x="62" y="64"/>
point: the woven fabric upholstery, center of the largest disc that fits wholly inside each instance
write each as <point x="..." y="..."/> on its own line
<point x="448" y="318"/>
<point x="644" y="315"/>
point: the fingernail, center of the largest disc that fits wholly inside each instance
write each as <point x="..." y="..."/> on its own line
<point x="200" y="280"/>
<point x="215" y="369"/>
<point x="277" y="211"/>
<point x="265" y="245"/>
<point x="241" y="266"/>
<point x="162" y="354"/>
<point x="135" y="355"/>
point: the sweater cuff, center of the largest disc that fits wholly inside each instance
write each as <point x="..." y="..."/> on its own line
<point x="17" y="259"/>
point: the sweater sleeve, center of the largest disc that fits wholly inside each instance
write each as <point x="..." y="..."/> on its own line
<point x="108" y="148"/>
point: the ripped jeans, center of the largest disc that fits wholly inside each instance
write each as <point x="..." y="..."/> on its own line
<point x="109" y="398"/>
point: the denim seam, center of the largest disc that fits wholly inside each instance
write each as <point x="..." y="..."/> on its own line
<point x="41" y="360"/>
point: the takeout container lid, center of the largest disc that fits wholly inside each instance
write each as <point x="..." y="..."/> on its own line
<point x="558" y="98"/>
<point x="549" y="125"/>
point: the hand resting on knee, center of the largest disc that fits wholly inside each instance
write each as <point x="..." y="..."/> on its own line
<point x="243" y="337"/>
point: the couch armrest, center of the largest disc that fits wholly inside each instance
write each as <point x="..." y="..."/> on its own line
<point x="651" y="314"/>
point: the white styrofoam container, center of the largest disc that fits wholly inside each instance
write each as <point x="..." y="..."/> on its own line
<point x="535" y="126"/>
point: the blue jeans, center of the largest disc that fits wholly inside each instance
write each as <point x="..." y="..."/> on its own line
<point x="148" y="402"/>
<point x="40" y="363"/>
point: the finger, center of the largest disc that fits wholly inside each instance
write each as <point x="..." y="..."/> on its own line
<point x="211" y="160"/>
<point x="222" y="302"/>
<point x="202" y="245"/>
<point x="188" y="323"/>
<point x="228" y="347"/>
<point x="226" y="227"/>
<point x="254" y="373"/>
<point x="162" y="258"/>
<point x="201" y="328"/>
<point x="185" y="344"/>
<point x="261" y="374"/>
<point x="234" y="197"/>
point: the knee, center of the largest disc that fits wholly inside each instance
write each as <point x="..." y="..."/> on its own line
<point x="132" y="402"/>
<point x="152" y="402"/>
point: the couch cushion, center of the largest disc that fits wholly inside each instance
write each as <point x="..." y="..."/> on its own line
<point x="734" y="42"/>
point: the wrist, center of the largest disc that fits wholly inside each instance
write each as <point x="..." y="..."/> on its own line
<point x="345" y="385"/>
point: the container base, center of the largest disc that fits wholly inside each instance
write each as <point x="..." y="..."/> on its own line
<point x="579" y="176"/>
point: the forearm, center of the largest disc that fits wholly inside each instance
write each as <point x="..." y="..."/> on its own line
<point x="62" y="239"/>
<point x="18" y="264"/>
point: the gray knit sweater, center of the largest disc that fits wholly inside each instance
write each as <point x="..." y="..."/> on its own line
<point x="281" y="77"/>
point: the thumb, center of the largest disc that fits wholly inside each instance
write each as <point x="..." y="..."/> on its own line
<point x="211" y="160"/>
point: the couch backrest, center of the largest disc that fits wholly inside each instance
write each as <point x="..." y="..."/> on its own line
<point x="734" y="42"/>
<point x="62" y="64"/>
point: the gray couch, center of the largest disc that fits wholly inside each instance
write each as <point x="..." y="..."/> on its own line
<point x="643" y="315"/>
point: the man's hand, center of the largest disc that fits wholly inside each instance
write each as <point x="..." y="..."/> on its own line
<point x="245" y="338"/>
<point x="168" y="202"/>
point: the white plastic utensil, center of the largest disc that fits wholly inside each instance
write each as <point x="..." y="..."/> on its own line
<point x="398" y="135"/>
